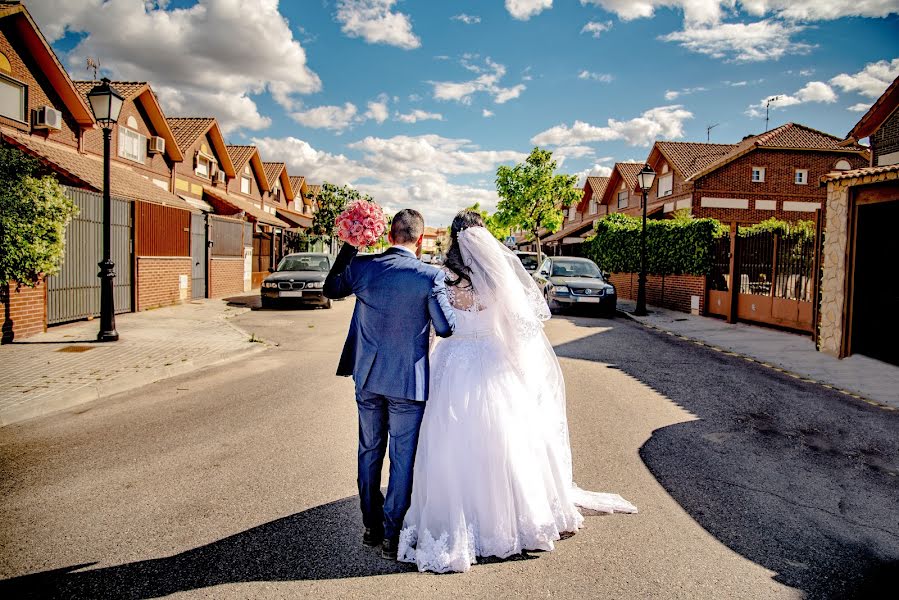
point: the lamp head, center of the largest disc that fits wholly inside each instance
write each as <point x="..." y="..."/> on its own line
<point x="106" y="103"/>
<point x="645" y="178"/>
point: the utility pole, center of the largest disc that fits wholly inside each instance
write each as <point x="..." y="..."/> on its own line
<point x="708" y="131"/>
<point x="767" y="105"/>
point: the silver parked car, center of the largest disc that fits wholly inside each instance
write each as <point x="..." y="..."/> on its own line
<point x="568" y="281"/>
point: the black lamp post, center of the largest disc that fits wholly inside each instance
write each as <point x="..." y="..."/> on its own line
<point x="106" y="103"/>
<point x="644" y="179"/>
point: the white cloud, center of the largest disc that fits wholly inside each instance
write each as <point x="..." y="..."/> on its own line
<point x="337" y="118"/>
<point x="562" y="153"/>
<point x="664" y="122"/>
<point x="525" y="9"/>
<point x="595" y="28"/>
<point x="597" y="170"/>
<point x="601" y="77"/>
<point x="376" y="23"/>
<point x="487" y="81"/>
<point x="377" y="110"/>
<point x="860" y="107"/>
<point x="674" y="94"/>
<point x="486" y="113"/>
<point x="418" y="115"/>
<point x="316" y="165"/>
<point x="467" y="19"/>
<point x="741" y="42"/>
<point x="870" y="81"/>
<point x="813" y="91"/>
<point x="204" y="59"/>
<point x="695" y="11"/>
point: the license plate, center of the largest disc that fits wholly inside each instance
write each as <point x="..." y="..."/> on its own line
<point x="588" y="299"/>
<point x="291" y="294"/>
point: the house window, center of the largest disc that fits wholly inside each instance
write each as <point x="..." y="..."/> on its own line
<point x="594" y="207"/>
<point x="12" y="98"/>
<point x="132" y="145"/>
<point x="665" y="185"/>
<point x="205" y="165"/>
<point x="245" y="184"/>
<point x="758" y="174"/>
<point x="801" y="177"/>
<point x="276" y="193"/>
<point x="842" y="165"/>
<point x="622" y="199"/>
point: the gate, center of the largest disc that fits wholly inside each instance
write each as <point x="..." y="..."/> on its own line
<point x="765" y="277"/>
<point x="199" y="261"/>
<point x="74" y="293"/>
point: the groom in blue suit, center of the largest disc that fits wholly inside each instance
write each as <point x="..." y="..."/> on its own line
<point x="398" y="298"/>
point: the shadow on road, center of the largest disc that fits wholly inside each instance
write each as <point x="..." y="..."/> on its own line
<point x="790" y="475"/>
<point x="320" y="543"/>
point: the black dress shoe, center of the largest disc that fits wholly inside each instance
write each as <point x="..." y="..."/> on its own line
<point x="389" y="548"/>
<point x="372" y="538"/>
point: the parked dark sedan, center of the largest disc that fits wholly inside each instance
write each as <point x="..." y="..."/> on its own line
<point x="567" y="281"/>
<point x="299" y="278"/>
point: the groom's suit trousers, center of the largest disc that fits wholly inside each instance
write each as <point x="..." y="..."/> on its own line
<point x="401" y="419"/>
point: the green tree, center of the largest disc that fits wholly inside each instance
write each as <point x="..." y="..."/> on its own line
<point x="499" y="231"/>
<point x="331" y="202"/>
<point x="34" y="213"/>
<point x="532" y="196"/>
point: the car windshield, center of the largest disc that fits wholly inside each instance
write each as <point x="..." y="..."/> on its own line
<point x="575" y="268"/>
<point x="528" y="261"/>
<point x="305" y="263"/>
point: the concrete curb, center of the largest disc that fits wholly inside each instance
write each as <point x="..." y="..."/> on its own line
<point x="698" y="342"/>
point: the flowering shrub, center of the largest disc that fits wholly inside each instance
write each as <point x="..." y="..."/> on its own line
<point x="362" y="224"/>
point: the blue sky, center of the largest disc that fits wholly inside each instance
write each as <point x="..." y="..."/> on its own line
<point x="417" y="102"/>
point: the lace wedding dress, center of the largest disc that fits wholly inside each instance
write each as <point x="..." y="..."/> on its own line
<point x="493" y="468"/>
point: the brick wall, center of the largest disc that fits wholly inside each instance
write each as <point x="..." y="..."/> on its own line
<point x="225" y="277"/>
<point x="886" y="139"/>
<point x="40" y="91"/>
<point x="666" y="291"/>
<point x="24" y="311"/>
<point x="159" y="280"/>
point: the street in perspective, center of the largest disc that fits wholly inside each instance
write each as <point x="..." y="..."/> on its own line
<point x="386" y="299"/>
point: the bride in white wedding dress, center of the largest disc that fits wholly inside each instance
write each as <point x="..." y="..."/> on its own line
<point x="493" y="474"/>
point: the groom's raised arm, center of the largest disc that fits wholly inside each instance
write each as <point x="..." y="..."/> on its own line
<point x="339" y="282"/>
<point x="442" y="315"/>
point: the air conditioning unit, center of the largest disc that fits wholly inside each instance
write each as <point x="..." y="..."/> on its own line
<point x="47" y="117"/>
<point x="157" y="144"/>
<point x="220" y="177"/>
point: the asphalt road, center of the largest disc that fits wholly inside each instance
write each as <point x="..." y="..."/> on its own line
<point x="238" y="481"/>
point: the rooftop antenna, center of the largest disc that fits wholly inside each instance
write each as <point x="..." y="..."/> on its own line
<point x="93" y="63"/>
<point x="768" y="104"/>
<point x="708" y="131"/>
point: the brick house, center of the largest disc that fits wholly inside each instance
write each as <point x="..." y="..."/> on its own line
<point x="580" y="219"/>
<point x="622" y="192"/>
<point x="45" y="115"/>
<point x="858" y="294"/>
<point x="763" y="176"/>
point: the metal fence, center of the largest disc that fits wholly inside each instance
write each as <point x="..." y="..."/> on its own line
<point x="226" y="236"/>
<point x="774" y="265"/>
<point x="74" y="293"/>
<point x="720" y="272"/>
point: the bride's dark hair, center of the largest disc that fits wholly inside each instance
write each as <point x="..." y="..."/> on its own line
<point x="465" y="219"/>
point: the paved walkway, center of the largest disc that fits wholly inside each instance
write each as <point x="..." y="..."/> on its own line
<point x="65" y="366"/>
<point x="861" y="376"/>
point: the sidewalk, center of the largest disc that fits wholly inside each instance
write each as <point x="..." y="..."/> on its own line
<point x="65" y="367"/>
<point x="794" y="354"/>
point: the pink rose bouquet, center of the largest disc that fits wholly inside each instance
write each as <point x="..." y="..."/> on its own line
<point x="361" y="224"/>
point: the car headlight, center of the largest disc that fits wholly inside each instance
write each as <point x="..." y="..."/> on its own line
<point x="610" y="291"/>
<point x="316" y="285"/>
<point x="269" y="284"/>
<point x="559" y="289"/>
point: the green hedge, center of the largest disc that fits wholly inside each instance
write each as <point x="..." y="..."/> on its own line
<point x="673" y="247"/>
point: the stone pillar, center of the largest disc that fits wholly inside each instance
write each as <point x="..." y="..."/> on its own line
<point x="834" y="281"/>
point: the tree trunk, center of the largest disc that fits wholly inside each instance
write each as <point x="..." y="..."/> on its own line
<point x="536" y="234"/>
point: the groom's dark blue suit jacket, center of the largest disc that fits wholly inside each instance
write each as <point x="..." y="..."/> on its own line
<point x="397" y="299"/>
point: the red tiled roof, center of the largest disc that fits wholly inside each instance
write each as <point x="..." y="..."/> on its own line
<point x="253" y="211"/>
<point x="240" y="155"/>
<point x="187" y="129"/>
<point x="689" y="157"/>
<point x="272" y="171"/>
<point x="88" y="169"/>
<point x="863" y="172"/>
<point x="314" y="190"/>
<point x="598" y="185"/>
<point x="129" y="89"/>
<point x="628" y="173"/>
<point x="790" y="136"/>
<point x="878" y="113"/>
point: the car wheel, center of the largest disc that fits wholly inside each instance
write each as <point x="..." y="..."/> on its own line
<point x="554" y="306"/>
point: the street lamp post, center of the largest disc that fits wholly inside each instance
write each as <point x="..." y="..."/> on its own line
<point x="644" y="179"/>
<point x="106" y="103"/>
